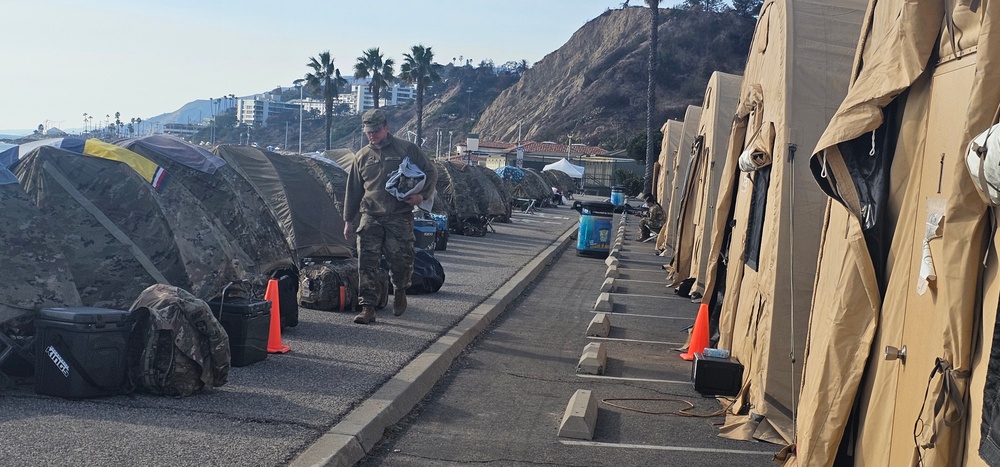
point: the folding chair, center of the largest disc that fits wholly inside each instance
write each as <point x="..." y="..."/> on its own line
<point x="488" y="223"/>
<point x="531" y="207"/>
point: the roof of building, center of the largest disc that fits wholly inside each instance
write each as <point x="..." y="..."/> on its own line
<point x="548" y="148"/>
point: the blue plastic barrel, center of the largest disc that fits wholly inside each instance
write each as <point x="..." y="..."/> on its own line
<point x="617" y="196"/>
<point x="594" y="235"/>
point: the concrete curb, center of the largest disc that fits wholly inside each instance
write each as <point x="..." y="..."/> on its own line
<point x="356" y="434"/>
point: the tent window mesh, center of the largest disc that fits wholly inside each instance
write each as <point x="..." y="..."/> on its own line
<point x="755" y="223"/>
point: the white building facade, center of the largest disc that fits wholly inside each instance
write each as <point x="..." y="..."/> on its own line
<point x="395" y="95"/>
<point x="256" y="111"/>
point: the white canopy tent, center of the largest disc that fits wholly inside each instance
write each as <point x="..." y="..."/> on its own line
<point x="564" y="166"/>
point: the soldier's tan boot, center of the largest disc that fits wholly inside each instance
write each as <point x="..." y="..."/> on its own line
<point x="366" y="316"/>
<point x="399" y="302"/>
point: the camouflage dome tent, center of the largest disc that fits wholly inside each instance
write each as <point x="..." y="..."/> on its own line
<point x="229" y="198"/>
<point x="460" y="201"/>
<point x="501" y="190"/>
<point x="313" y="228"/>
<point x="491" y="201"/>
<point x="560" y="180"/>
<point x="328" y="172"/>
<point x="340" y="156"/>
<point x="525" y="184"/>
<point x="131" y="227"/>
<point x="36" y="272"/>
<point x="305" y="195"/>
<point x="535" y="186"/>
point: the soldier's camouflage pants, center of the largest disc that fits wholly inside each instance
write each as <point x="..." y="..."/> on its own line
<point x="391" y="236"/>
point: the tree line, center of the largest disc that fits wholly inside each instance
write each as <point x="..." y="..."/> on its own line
<point x="418" y="68"/>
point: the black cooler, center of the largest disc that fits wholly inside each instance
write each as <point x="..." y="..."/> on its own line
<point x="247" y="322"/>
<point x="714" y="376"/>
<point x="80" y="352"/>
<point x="424" y="234"/>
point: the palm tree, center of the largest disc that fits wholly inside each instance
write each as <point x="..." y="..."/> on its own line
<point x="654" y="25"/>
<point x="418" y="68"/>
<point x="325" y="79"/>
<point x="380" y="69"/>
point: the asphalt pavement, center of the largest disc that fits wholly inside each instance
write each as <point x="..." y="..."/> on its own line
<point x="479" y="372"/>
<point x="285" y="409"/>
<point x="503" y="399"/>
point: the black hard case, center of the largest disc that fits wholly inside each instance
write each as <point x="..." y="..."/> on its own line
<point x="716" y="376"/>
<point x="247" y="322"/>
<point x="80" y="352"/>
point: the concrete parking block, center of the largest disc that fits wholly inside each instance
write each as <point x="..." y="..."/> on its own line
<point x="600" y="326"/>
<point x="593" y="359"/>
<point x="604" y="302"/>
<point x="611" y="261"/>
<point x="609" y="285"/>
<point x="580" y="417"/>
<point x="612" y="272"/>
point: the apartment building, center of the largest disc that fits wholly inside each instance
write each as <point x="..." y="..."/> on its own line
<point x="395" y="95"/>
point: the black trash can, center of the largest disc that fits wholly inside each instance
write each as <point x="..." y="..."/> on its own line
<point x="594" y="235"/>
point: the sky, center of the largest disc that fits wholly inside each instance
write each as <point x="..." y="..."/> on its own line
<point x="63" y="58"/>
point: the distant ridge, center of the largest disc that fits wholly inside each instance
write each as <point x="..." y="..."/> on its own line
<point x="594" y="86"/>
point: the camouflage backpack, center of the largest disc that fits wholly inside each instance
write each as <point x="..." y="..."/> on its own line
<point x="177" y="347"/>
<point x="332" y="285"/>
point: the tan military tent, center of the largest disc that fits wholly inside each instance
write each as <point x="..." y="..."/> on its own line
<point x="681" y="162"/>
<point x="766" y="235"/>
<point x="709" y="151"/>
<point x="671" y="130"/>
<point x="893" y="162"/>
<point x="665" y="169"/>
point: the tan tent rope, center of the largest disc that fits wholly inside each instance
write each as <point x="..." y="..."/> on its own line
<point x="871" y="153"/>
<point x="791" y="278"/>
<point x="685" y="412"/>
<point x="950" y="396"/>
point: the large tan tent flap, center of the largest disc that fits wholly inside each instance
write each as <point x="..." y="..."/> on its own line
<point x="664" y="182"/>
<point x="678" y="267"/>
<point x="721" y="98"/>
<point x="766" y="226"/>
<point x="894" y="149"/>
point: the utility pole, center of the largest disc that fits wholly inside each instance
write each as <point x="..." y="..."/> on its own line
<point x="299" y="83"/>
<point x="437" y="153"/>
<point x="450" y="145"/>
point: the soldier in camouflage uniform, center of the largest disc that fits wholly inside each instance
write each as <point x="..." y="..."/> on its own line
<point x="654" y="220"/>
<point x="386" y="225"/>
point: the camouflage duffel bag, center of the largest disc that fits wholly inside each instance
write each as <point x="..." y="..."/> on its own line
<point x="177" y="347"/>
<point x="332" y="285"/>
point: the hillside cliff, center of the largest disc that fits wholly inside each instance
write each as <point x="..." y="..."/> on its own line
<point x="594" y="86"/>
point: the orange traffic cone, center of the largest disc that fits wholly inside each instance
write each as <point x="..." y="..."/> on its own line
<point x="699" y="335"/>
<point x="274" y="344"/>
